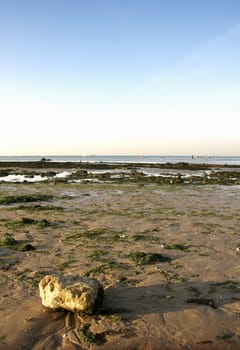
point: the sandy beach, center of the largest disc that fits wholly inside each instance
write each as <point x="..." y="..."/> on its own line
<point x="191" y="301"/>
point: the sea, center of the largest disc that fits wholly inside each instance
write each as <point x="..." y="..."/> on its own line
<point x="221" y="160"/>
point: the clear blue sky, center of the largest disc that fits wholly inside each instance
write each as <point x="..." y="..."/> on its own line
<point x="120" y="77"/>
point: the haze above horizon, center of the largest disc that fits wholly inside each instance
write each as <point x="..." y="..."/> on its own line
<point x="120" y="77"/>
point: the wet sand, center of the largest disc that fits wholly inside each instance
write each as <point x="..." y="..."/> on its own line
<point x="190" y="302"/>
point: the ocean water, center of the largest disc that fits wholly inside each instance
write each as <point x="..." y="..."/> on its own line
<point x="233" y="160"/>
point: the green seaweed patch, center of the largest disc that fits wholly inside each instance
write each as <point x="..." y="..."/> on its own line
<point x="88" y="336"/>
<point x="139" y="237"/>
<point x="8" y="241"/>
<point x="225" y="336"/>
<point x="97" y="254"/>
<point x="116" y="237"/>
<point x="26" y="247"/>
<point x="25" y="221"/>
<point x="233" y="285"/>
<point x="11" y="242"/>
<point x="105" y="266"/>
<point x="29" y="221"/>
<point x="170" y="276"/>
<point x="142" y="258"/>
<point x="43" y="223"/>
<point x="25" y="198"/>
<point x="144" y="237"/>
<point x="38" y="207"/>
<point x="65" y="264"/>
<point x="95" y="234"/>
<point x="73" y="236"/>
<point x="91" y="234"/>
<point x="178" y="246"/>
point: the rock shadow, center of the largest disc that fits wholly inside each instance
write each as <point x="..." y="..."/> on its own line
<point x="135" y="302"/>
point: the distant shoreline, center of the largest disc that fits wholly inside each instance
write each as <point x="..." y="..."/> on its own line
<point x="104" y="172"/>
<point x="112" y="165"/>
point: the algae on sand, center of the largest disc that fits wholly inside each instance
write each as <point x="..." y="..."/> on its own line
<point x="142" y="258"/>
<point x="25" y="198"/>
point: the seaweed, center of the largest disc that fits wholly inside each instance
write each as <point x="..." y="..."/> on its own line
<point x="25" y="198"/>
<point x="26" y="247"/>
<point x="142" y="258"/>
<point x="88" y="336"/>
<point x="29" y="221"/>
<point x="26" y="221"/>
<point x="12" y="243"/>
<point x="8" y="241"/>
<point x="230" y="284"/>
<point x="202" y="301"/>
<point x="38" y="207"/>
<point x="171" y="276"/>
<point x="178" y="246"/>
<point x="97" y="254"/>
<point x="105" y="266"/>
<point x="144" y="237"/>
<point x="225" y="336"/>
<point x="65" y="264"/>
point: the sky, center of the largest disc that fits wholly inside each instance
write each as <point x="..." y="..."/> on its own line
<point x="132" y="77"/>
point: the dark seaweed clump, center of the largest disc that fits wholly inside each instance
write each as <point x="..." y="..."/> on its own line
<point x="142" y="258"/>
<point x="178" y="246"/>
<point x="11" y="242"/>
<point x="28" y="221"/>
<point x="25" y="198"/>
<point x="8" y="241"/>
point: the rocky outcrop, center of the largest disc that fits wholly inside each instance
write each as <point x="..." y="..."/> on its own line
<point x="73" y="293"/>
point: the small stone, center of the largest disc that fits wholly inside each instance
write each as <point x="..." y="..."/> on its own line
<point x="72" y="293"/>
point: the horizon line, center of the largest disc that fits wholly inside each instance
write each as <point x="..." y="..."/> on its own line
<point x="120" y="155"/>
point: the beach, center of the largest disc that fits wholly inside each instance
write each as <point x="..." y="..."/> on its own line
<point x="104" y="226"/>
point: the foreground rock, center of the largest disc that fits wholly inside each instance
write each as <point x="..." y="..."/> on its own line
<point x="73" y="293"/>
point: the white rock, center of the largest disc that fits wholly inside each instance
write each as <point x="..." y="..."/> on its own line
<point x="73" y="293"/>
